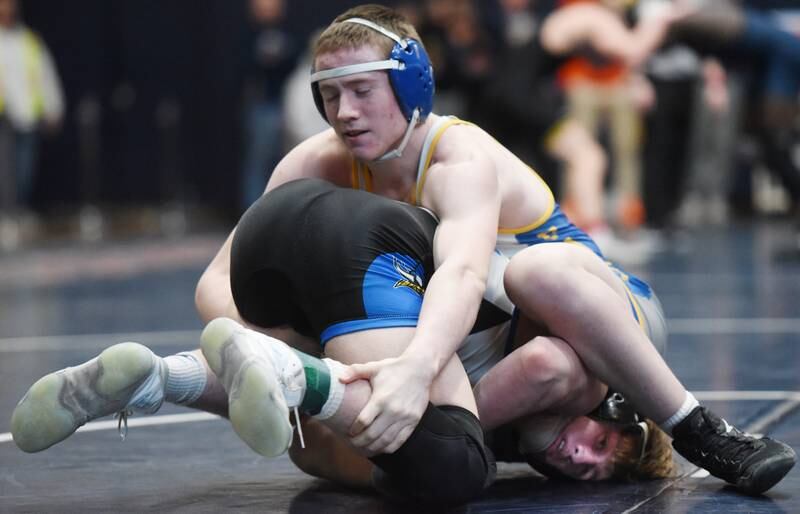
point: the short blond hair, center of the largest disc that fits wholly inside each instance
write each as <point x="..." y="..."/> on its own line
<point x="656" y="463"/>
<point x="353" y="35"/>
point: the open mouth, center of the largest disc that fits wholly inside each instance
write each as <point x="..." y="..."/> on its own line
<point x="354" y="133"/>
<point x="561" y="448"/>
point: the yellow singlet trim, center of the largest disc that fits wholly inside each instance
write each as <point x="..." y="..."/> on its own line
<point x="359" y="171"/>
<point x="424" y="175"/>
<point x="354" y="182"/>
<point x="631" y="298"/>
<point x="541" y="219"/>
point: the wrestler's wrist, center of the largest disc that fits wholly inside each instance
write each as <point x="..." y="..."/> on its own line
<point x="424" y="366"/>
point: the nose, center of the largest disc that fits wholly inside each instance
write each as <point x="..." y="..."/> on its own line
<point x="582" y="454"/>
<point x="347" y="110"/>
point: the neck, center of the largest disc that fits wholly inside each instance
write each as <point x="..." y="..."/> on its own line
<point x="404" y="166"/>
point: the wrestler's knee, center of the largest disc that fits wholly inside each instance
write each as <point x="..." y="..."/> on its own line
<point x="444" y="460"/>
<point x="541" y="364"/>
<point x="539" y="273"/>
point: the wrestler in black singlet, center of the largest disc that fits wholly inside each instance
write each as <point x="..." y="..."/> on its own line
<point x="328" y="261"/>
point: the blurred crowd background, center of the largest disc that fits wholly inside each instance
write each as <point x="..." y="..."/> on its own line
<point x="124" y="118"/>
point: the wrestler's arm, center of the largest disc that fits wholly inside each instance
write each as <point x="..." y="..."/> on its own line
<point x="212" y="296"/>
<point x="463" y="244"/>
<point x="543" y="376"/>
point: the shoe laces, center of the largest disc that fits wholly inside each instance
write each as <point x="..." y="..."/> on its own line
<point x="291" y="381"/>
<point x="291" y="378"/>
<point x="729" y="445"/>
<point x="298" y="427"/>
<point x="122" y="423"/>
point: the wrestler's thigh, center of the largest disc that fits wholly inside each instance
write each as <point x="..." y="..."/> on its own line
<point x="557" y="261"/>
<point x="292" y="338"/>
<point x="451" y="386"/>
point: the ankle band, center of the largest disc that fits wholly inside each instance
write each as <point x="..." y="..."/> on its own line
<point x="336" y="394"/>
<point x="318" y="383"/>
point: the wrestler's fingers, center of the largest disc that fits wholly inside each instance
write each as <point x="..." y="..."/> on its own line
<point x="372" y="433"/>
<point x="401" y="438"/>
<point x="365" y="418"/>
<point x="355" y="372"/>
<point x="384" y="441"/>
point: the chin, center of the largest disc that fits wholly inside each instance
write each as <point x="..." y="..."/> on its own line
<point x="365" y="154"/>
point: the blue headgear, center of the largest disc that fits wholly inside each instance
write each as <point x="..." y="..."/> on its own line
<point x="410" y="73"/>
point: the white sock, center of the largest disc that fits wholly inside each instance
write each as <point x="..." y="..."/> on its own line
<point x="186" y="378"/>
<point x="336" y="393"/>
<point x="686" y="408"/>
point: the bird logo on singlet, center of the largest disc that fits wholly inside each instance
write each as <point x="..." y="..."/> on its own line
<point x="410" y="279"/>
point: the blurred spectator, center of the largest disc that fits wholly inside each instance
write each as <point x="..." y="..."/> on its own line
<point x="714" y="132"/>
<point x="31" y="101"/>
<point x="601" y="94"/>
<point x="272" y="52"/>
<point x="528" y="111"/>
<point x="301" y="118"/>
<point x="674" y="71"/>
<point x="752" y="40"/>
<point x="461" y="51"/>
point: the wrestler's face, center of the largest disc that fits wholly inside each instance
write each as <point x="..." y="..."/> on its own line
<point x="584" y="449"/>
<point x="361" y="108"/>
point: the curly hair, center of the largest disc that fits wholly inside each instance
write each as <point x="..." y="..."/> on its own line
<point x="630" y="464"/>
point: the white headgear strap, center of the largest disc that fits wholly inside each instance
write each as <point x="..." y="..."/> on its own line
<point x="352" y="69"/>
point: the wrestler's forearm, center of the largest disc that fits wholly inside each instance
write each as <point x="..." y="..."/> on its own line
<point x="451" y="304"/>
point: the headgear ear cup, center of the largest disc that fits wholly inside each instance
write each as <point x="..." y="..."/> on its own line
<point x="413" y="84"/>
<point x="410" y="74"/>
<point x="318" y="100"/>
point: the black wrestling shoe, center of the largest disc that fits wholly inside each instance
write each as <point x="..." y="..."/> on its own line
<point x="751" y="464"/>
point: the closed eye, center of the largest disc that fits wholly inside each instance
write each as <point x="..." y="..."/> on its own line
<point x="330" y="97"/>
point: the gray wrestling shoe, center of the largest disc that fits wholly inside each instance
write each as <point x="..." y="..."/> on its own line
<point x="264" y="378"/>
<point x="59" y="403"/>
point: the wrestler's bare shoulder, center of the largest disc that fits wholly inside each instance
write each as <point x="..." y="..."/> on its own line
<point x="469" y="149"/>
<point x="320" y="156"/>
<point x="471" y="144"/>
<point x="462" y="144"/>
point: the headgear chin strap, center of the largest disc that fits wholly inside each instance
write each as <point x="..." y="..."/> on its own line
<point x="615" y="409"/>
<point x="410" y="74"/>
